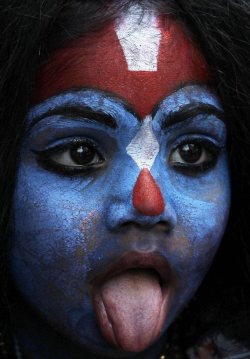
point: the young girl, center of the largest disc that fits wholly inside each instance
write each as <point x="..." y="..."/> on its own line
<point x="124" y="160"/>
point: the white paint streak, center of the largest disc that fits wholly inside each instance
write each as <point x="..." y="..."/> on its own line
<point x="144" y="147"/>
<point x="139" y="37"/>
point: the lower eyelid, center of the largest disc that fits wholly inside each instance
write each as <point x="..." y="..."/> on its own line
<point x="65" y="170"/>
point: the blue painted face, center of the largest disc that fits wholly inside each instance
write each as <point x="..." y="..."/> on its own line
<point x="75" y="229"/>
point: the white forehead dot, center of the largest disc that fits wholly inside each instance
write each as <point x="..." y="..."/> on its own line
<point x="139" y="37"/>
<point x="144" y="147"/>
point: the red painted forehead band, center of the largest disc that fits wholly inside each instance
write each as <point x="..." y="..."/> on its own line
<point x="142" y="65"/>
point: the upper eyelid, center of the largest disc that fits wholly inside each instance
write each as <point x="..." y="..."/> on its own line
<point x="195" y="137"/>
<point x="63" y="145"/>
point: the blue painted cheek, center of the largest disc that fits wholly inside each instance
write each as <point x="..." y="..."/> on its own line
<point x="49" y="258"/>
<point x="56" y="228"/>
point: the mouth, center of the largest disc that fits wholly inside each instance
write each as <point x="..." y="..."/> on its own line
<point x="131" y="300"/>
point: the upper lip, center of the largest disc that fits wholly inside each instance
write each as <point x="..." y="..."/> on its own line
<point x="137" y="260"/>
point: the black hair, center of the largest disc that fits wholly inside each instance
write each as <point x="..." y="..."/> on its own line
<point x="30" y="30"/>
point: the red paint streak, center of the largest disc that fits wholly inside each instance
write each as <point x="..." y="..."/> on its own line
<point x="97" y="61"/>
<point x="147" y="197"/>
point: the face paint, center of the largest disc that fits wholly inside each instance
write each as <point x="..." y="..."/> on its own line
<point x="143" y="149"/>
<point x="147" y="197"/>
<point x="141" y="59"/>
<point x="116" y="220"/>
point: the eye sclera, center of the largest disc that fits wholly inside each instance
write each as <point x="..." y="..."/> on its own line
<point x="209" y="153"/>
<point x="45" y="157"/>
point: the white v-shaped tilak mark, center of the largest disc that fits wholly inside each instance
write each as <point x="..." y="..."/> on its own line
<point x="139" y="37"/>
<point x="144" y="147"/>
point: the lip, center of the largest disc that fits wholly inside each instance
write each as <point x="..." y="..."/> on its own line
<point x="138" y="260"/>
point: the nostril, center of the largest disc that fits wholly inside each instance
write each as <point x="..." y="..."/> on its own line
<point x="161" y="226"/>
<point x="122" y="215"/>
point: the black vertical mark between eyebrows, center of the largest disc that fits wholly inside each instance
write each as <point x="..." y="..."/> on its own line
<point x="76" y="112"/>
<point x="190" y="111"/>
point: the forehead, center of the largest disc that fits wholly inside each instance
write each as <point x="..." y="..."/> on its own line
<point x="141" y="57"/>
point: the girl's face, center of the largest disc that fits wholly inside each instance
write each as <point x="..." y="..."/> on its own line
<point x="123" y="189"/>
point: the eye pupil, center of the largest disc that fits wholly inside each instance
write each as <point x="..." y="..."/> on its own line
<point x="190" y="152"/>
<point x="82" y="154"/>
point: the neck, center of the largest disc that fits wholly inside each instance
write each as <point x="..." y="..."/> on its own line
<point x="38" y="340"/>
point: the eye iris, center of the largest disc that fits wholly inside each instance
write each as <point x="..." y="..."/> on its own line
<point x="190" y="152"/>
<point x="82" y="154"/>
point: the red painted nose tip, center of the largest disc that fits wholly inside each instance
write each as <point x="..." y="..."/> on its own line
<point x="147" y="197"/>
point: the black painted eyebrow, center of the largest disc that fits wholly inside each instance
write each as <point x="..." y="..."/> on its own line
<point x="190" y="111"/>
<point x="76" y="112"/>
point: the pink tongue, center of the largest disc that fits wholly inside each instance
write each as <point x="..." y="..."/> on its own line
<point x="129" y="309"/>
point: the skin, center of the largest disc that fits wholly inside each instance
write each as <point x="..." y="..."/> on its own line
<point x="68" y="226"/>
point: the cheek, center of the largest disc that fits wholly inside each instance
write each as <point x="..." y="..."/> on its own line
<point x="195" y="240"/>
<point x="54" y="233"/>
<point x="202" y="208"/>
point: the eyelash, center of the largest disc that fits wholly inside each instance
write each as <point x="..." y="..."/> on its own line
<point x="45" y="158"/>
<point x="208" y="149"/>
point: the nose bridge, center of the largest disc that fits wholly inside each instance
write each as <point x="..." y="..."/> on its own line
<point x="137" y="196"/>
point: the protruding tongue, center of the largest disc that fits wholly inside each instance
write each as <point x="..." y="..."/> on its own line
<point x="130" y="309"/>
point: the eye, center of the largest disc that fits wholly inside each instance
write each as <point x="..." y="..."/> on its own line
<point x="74" y="157"/>
<point x="194" y="156"/>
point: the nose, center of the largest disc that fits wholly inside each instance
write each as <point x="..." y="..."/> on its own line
<point x="142" y="204"/>
<point x="147" y="196"/>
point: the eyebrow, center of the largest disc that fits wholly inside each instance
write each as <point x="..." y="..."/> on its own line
<point x="76" y="112"/>
<point x="190" y="111"/>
